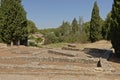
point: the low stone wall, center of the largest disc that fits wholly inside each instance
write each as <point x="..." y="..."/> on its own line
<point x="61" y="53"/>
<point x="58" y="67"/>
<point x="51" y="59"/>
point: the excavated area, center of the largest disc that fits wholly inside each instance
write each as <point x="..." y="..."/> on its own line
<point x="71" y="62"/>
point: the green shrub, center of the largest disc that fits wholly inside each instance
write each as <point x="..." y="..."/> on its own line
<point x="38" y="40"/>
<point x="32" y="44"/>
<point x="50" y="38"/>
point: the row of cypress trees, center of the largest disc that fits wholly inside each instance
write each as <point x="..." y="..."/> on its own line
<point x="111" y="30"/>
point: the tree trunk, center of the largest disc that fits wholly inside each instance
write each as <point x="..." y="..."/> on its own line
<point x="18" y="42"/>
<point x="11" y="43"/>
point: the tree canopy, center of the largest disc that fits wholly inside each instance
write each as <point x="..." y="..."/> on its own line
<point x="95" y="28"/>
<point x="115" y="27"/>
<point x="75" y="26"/>
<point x="31" y="27"/>
<point x="13" y="22"/>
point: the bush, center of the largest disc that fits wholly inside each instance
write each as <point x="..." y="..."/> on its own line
<point x="38" y="40"/>
<point x="50" y="38"/>
<point x="32" y="44"/>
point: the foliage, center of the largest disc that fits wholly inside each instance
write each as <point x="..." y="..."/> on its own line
<point x="106" y="27"/>
<point x="33" y="44"/>
<point x="38" y="40"/>
<point x="50" y="38"/>
<point x="65" y="29"/>
<point x="64" y="33"/>
<point x="115" y="27"/>
<point x="13" y="22"/>
<point x="31" y="27"/>
<point x="86" y="28"/>
<point x="75" y="26"/>
<point x="80" y="22"/>
<point x="95" y="28"/>
<point x="46" y="31"/>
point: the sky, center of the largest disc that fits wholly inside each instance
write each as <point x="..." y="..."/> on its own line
<point x="51" y="13"/>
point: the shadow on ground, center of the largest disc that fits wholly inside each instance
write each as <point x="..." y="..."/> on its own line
<point x="103" y="53"/>
<point x="114" y="58"/>
<point x="95" y="52"/>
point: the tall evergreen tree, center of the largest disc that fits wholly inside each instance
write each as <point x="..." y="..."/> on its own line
<point x="115" y="27"/>
<point x="106" y="27"/>
<point x="75" y="26"/>
<point x="95" y="28"/>
<point x="13" y="22"/>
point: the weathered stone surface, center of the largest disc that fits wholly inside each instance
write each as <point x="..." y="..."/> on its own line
<point x="72" y="45"/>
<point x="61" y="53"/>
<point x="70" y="48"/>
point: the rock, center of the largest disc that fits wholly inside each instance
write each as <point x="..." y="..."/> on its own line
<point x="99" y="69"/>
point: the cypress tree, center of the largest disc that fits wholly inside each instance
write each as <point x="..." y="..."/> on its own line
<point x="13" y="22"/>
<point x="75" y="26"/>
<point x="115" y="27"/>
<point x="95" y="28"/>
<point x="106" y="27"/>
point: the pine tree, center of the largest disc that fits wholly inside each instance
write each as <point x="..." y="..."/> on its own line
<point x="95" y="28"/>
<point x="115" y="27"/>
<point x="75" y="26"/>
<point x="13" y="22"/>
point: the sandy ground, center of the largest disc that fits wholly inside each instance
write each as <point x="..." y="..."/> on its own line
<point x="27" y="63"/>
<point x="56" y="77"/>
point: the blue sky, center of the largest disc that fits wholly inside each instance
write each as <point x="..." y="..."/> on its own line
<point x="51" y="13"/>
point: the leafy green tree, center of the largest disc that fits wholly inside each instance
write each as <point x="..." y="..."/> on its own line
<point x="65" y="29"/>
<point x="50" y="38"/>
<point x="31" y="27"/>
<point x="13" y="22"/>
<point x="95" y="28"/>
<point x="75" y="26"/>
<point x="115" y="27"/>
<point x="86" y="28"/>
